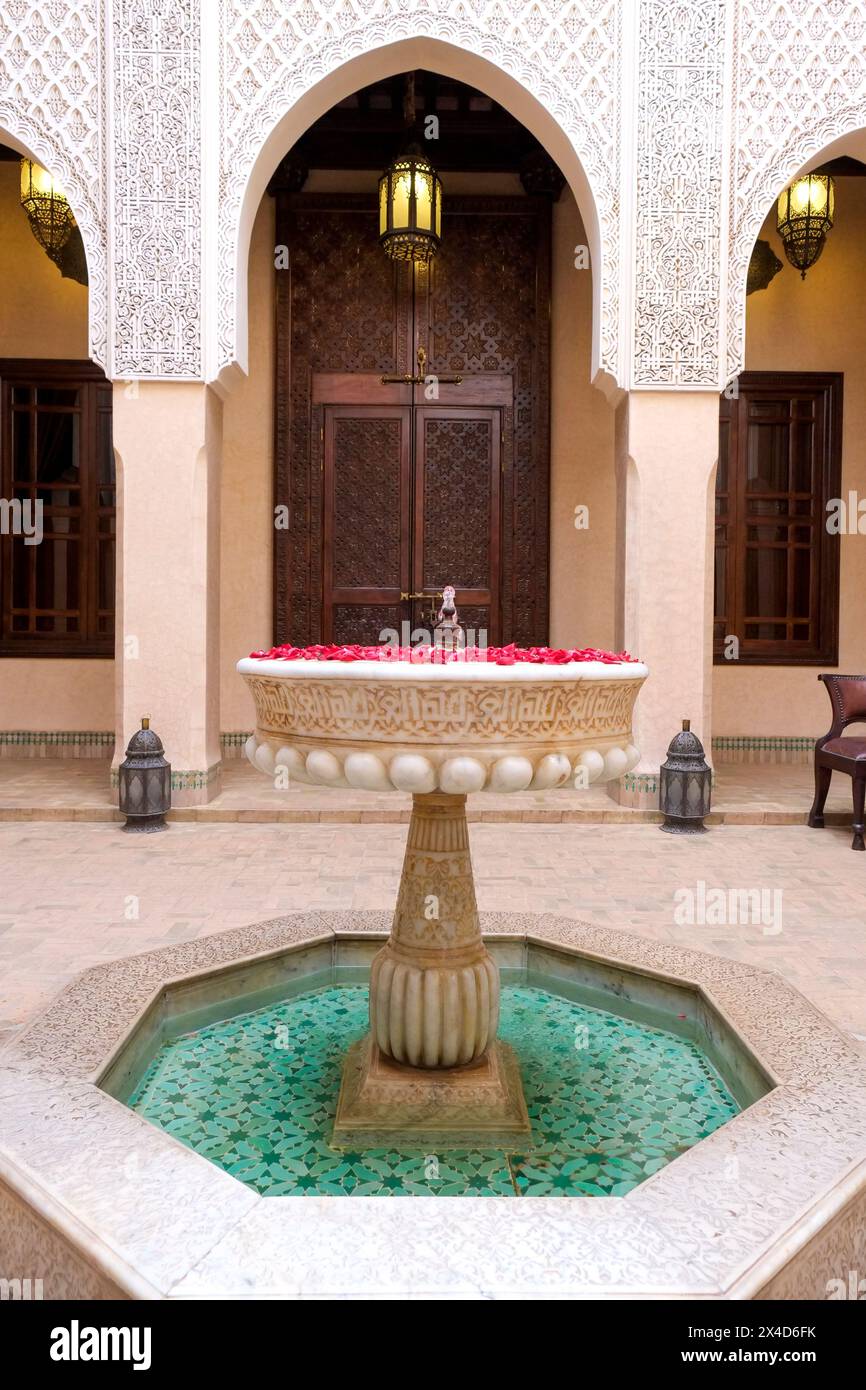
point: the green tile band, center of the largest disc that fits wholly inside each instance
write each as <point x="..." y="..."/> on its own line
<point x="232" y="744"/>
<point x="752" y="743"/>
<point x="763" y="748"/>
<point x="645" y="783"/>
<point x="189" y="780"/>
<point x="70" y="738"/>
<point x="56" y="738"/>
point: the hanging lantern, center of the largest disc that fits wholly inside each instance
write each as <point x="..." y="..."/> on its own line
<point x="47" y="208"/>
<point x="804" y="216"/>
<point x="685" y="784"/>
<point x="410" y="208"/>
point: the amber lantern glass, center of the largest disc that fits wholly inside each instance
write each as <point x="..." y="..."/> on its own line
<point x="410" y="208"/>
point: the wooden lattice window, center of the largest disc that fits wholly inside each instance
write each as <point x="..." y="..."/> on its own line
<point x="777" y="563"/>
<point x="57" y="510"/>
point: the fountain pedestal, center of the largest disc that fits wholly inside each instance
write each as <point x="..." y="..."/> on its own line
<point x="431" y="1069"/>
<point x="434" y="988"/>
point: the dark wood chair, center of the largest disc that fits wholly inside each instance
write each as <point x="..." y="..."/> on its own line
<point x="836" y="754"/>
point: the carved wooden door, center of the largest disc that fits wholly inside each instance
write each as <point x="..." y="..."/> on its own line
<point x="457" y="506"/>
<point x="388" y="492"/>
<point x="411" y="502"/>
<point x="367" y="496"/>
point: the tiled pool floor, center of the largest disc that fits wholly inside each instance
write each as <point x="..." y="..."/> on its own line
<point x="610" y="1101"/>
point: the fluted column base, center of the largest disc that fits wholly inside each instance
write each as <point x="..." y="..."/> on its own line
<point x="431" y="1070"/>
<point x="434" y="988"/>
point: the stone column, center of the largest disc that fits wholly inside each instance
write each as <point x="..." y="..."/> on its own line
<point x="167" y="438"/>
<point x="434" y="988"/>
<point x="666" y="452"/>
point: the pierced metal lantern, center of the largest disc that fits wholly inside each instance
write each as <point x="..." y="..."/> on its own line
<point x="804" y="216"/>
<point x="685" y="785"/>
<point x="47" y="208"/>
<point x="52" y="221"/>
<point x="410" y="208"/>
<point x="145" y="782"/>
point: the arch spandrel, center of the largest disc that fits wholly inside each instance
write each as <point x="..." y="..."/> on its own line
<point x="51" y="100"/>
<point x="799" y="86"/>
<point x="557" y="70"/>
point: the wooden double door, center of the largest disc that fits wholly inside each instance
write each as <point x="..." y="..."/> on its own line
<point x="394" y="489"/>
<point x="412" y="501"/>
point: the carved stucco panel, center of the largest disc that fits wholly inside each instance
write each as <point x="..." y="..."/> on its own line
<point x="679" y="189"/>
<point x="567" y="55"/>
<point x="798" y="82"/>
<point x="156" y="49"/>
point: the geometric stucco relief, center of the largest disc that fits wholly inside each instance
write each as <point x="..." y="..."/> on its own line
<point x="678" y="193"/>
<point x="567" y="55"/>
<point x="157" y="209"/>
<point x="52" y="100"/>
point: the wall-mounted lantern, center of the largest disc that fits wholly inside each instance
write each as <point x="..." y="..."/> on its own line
<point x="764" y="265"/>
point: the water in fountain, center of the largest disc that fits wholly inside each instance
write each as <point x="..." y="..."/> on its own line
<point x="611" y="1100"/>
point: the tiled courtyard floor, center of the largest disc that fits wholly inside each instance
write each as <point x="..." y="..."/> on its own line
<point x="77" y="894"/>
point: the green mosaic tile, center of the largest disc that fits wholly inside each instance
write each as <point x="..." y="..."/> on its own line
<point x="764" y="743"/>
<point x="611" y="1101"/>
<point x="184" y="781"/>
<point x="71" y="738"/>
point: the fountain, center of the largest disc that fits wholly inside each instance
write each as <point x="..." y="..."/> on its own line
<point x="440" y="723"/>
<point x="226" y="1054"/>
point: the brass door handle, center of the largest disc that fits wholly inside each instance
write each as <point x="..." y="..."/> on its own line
<point x="404" y="597"/>
<point x="420" y="379"/>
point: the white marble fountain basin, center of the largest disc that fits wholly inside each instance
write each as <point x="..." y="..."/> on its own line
<point x="458" y="727"/>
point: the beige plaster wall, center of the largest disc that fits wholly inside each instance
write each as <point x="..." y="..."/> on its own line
<point x="582" y="473"/>
<point x="582" y="562"/>
<point x="816" y="324"/>
<point x="168" y="439"/>
<point x="47" y="695"/>
<point x="43" y="315"/>
<point x="246" y="528"/>
<point x="666" y="451"/>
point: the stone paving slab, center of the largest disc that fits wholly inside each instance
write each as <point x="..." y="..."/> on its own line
<point x="75" y="895"/>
